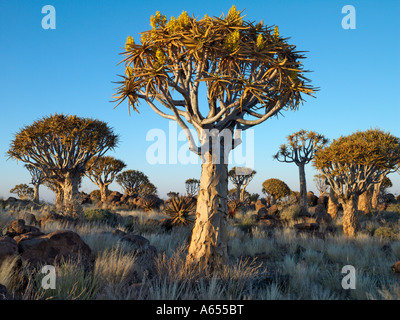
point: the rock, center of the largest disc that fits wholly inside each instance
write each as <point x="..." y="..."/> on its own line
<point x="27" y="236"/>
<point x="4" y="295"/>
<point x="54" y="217"/>
<point x="316" y="209"/>
<point x="312" y="199"/>
<point x="273" y="210"/>
<point x="261" y="203"/>
<point x="8" y="247"/>
<point x="118" y="233"/>
<point x="323" y="217"/>
<point x="139" y="244"/>
<point x="52" y="247"/>
<point x="396" y="267"/>
<point x="18" y="227"/>
<point x="323" y="201"/>
<point x="114" y="196"/>
<point x="262" y="212"/>
<point x="269" y="223"/>
<point x="307" y="226"/>
<point x="303" y="213"/>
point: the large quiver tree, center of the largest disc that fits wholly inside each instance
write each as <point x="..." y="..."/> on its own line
<point x="60" y="146"/>
<point x="247" y="72"/>
<point x="353" y="163"/>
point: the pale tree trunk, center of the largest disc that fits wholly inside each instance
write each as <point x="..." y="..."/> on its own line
<point x="364" y="203"/>
<point x="242" y="194"/>
<point x="103" y="192"/>
<point x="36" y="193"/>
<point x="303" y="187"/>
<point x="349" y="216"/>
<point x="332" y="205"/>
<point x="72" y="201"/>
<point x="208" y="245"/>
<point x="375" y="194"/>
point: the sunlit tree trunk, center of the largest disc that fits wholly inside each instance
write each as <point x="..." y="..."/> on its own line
<point x="303" y="187"/>
<point x="36" y="193"/>
<point x="364" y="203"/>
<point x="349" y="216"/>
<point x="208" y="245"/>
<point x="103" y="192"/>
<point x="332" y="205"/>
<point x="72" y="201"/>
<point x="375" y="194"/>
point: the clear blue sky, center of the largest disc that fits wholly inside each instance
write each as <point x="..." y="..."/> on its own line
<point x="71" y="70"/>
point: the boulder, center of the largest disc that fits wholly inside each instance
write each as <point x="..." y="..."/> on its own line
<point x="261" y="203"/>
<point x="53" y="217"/>
<point x="51" y="248"/>
<point x="396" y="267"/>
<point x="273" y="210"/>
<point x="139" y="244"/>
<point x="262" y="212"/>
<point x="307" y="226"/>
<point x="18" y="227"/>
<point x="8" y="247"/>
<point x="114" y="196"/>
<point x="312" y="199"/>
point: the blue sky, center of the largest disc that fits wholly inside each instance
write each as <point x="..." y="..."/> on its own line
<point x="71" y="70"/>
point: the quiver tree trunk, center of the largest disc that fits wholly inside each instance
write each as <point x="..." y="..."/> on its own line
<point x="241" y="197"/>
<point x="303" y="186"/>
<point x="375" y="194"/>
<point x="349" y="215"/>
<point x="364" y="203"/>
<point x="332" y="205"/>
<point x="103" y="192"/>
<point x="36" y="193"/>
<point x="72" y="201"/>
<point x="208" y="245"/>
<point x="238" y="193"/>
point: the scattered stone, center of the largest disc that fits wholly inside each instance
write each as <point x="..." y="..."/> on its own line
<point x="307" y="226"/>
<point x="8" y="247"/>
<point x="273" y="210"/>
<point x="18" y="227"/>
<point x="261" y="203"/>
<point x="396" y="267"/>
<point x="52" y="247"/>
<point x="311" y="199"/>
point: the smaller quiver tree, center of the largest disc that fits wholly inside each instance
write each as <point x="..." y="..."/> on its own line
<point x="275" y="188"/>
<point x="102" y="172"/>
<point x="37" y="178"/>
<point x="192" y="187"/>
<point x="240" y="178"/>
<point x="23" y="191"/>
<point x="132" y="181"/>
<point x="300" y="150"/>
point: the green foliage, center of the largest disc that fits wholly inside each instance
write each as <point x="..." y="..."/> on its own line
<point x="291" y="212"/>
<point x="95" y="195"/>
<point x="23" y="191"/>
<point x="132" y="181"/>
<point x="100" y="215"/>
<point x="386" y="233"/>
<point x="181" y="209"/>
<point x="394" y="207"/>
<point x="276" y="188"/>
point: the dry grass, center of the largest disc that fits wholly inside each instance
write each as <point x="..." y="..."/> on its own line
<point x="264" y="264"/>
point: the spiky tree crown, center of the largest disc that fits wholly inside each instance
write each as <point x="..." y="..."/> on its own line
<point x="245" y="67"/>
<point x="103" y="169"/>
<point x="276" y="188"/>
<point x="59" y="143"/>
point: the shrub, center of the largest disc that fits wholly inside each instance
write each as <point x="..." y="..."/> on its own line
<point x="394" y="207"/>
<point x="291" y="212"/>
<point x="180" y="209"/>
<point x="100" y="215"/>
<point x="386" y="233"/>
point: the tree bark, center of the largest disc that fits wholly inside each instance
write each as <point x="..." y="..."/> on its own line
<point x="303" y="187"/>
<point x="238" y="193"/>
<point x="36" y="193"/>
<point x="332" y="205"/>
<point x="103" y="192"/>
<point x="72" y="201"/>
<point x="364" y="204"/>
<point x="208" y="245"/>
<point x="375" y="194"/>
<point x="349" y="216"/>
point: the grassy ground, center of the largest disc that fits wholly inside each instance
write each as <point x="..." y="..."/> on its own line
<point x="264" y="263"/>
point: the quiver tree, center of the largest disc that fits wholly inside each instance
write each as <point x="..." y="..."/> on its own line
<point x="60" y="146"/>
<point x="353" y="163"/>
<point x="37" y="178"/>
<point x="192" y="187"/>
<point x="102" y="172"/>
<point x="276" y="189"/>
<point x="240" y="178"/>
<point x="321" y="184"/>
<point x="247" y="72"/>
<point x="23" y="191"/>
<point x="132" y="182"/>
<point x="300" y="150"/>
